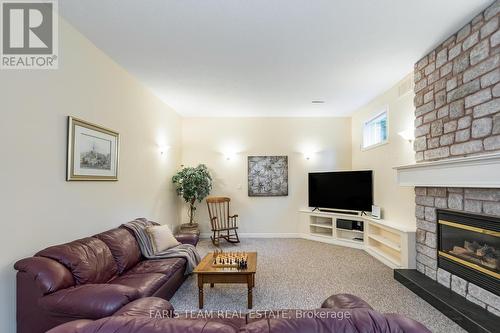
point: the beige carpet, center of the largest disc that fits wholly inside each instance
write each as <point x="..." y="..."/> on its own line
<point x="297" y="273"/>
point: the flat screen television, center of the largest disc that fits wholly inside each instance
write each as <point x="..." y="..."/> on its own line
<point x="348" y="190"/>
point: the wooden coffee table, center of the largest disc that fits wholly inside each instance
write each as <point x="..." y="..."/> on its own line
<point x="209" y="274"/>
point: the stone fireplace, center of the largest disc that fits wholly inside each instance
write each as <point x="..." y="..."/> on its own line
<point x="432" y="204"/>
<point x="456" y="177"/>
<point x="436" y="204"/>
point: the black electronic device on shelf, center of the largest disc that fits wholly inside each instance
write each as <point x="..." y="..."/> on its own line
<point x="350" y="224"/>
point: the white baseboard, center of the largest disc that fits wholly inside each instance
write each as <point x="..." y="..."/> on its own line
<point x="205" y="235"/>
<point x="328" y="240"/>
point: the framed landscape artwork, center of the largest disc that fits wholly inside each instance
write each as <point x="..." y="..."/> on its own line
<point x="267" y="176"/>
<point x="92" y="151"/>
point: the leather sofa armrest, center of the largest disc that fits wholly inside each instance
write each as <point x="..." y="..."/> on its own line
<point x="151" y="307"/>
<point x="187" y="238"/>
<point x="71" y="327"/>
<point x="89" y="301"/>
<point x="49" y="275"/>
<point x="345" y="301"/>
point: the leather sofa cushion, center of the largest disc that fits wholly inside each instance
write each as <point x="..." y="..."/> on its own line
<point x="165" y="266"/>
<point x="146" y="284"/>
<point x="318" y="321"/>
<point x="123" y="246"/>
<point x="90" y="301"/>
<point x="233" y="320"/>
<point x="406" y="324"/>
<point x="345" y="301"/>
<point x="334" y="320"/>
<point x="123" y="324"/>
<point x="151" y="307"/>
<point x="266" y="314"/>
<point x="49" y="275"/>
<point x="71" y="327"/>
<point x="88" y="259"/>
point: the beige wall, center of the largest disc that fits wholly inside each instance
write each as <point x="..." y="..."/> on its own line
<point x="206" y="140"/>
<point x="39" y="208"/>
<point x="397" y="202"/>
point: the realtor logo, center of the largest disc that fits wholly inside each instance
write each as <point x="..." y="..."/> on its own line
<point x="29" y="34"/>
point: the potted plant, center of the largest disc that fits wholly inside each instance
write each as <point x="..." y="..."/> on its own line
<point x="192" y="184"/>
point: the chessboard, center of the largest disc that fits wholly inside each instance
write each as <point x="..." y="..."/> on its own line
<point x="230" y="259"/>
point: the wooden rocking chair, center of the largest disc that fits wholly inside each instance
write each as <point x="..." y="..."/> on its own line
<point x="223" y="224"/>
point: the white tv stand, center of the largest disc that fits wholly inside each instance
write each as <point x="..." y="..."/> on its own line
<point x="392" y="244"/>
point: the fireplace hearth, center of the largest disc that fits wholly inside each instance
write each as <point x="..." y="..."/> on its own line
<point x="469" y="247"/>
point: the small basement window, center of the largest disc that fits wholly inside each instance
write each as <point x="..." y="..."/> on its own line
<point x="375" y="131"/>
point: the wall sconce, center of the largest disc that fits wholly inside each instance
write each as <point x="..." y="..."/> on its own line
<point x="163" y="149"/>
<point x="229" y="155"/>
<point x="309" y="149"/>
<point x="309" y="153"/>
<point x="230" y="150"/>
<point x="407" y="134"/>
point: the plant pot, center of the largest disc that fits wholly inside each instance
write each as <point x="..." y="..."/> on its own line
<point x="187" y="228"/>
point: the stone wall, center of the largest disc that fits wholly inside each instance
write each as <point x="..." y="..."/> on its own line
<point x="457" y="92"/>
<point x="457" y="113"/>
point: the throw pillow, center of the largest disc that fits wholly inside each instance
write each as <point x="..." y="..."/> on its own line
<point x="161" y="237"/>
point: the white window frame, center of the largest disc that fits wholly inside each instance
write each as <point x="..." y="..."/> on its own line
<point x="386" y="141"/>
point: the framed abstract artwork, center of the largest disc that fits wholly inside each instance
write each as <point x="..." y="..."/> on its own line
<point x="93" y="151"/>
<point x="267" y="176"/>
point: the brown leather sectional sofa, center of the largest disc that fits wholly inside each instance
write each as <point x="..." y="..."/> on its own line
<point x="91" y="278"/>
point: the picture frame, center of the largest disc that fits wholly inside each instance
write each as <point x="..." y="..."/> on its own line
<point x="93" y="152"/>
<point x="267" y="176"/>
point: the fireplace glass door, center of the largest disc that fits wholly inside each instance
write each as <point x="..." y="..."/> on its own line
<point x="469" y="246"/>
<point x="474" y="247"/>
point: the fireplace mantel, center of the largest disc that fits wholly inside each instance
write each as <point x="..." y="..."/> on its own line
<point x="481" y="171"/>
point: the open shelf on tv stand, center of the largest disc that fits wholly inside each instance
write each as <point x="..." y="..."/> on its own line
<point x="391" y="243"/>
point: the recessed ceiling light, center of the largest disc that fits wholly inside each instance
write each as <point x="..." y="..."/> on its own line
<point x="318" y="102"/>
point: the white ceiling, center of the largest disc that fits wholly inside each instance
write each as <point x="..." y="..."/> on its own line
<point x="268" y="57"/>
